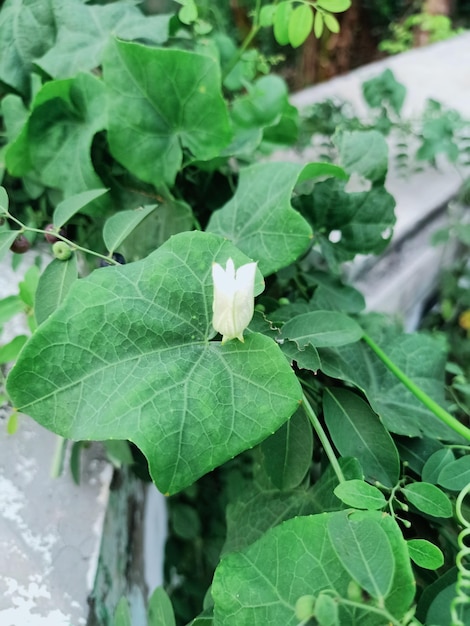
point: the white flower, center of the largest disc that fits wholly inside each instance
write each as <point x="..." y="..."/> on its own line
<point x="234" y="299"/>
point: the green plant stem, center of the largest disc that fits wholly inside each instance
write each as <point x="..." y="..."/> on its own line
<point x="59" y="455"/>
<point x="73" y="245"/>
<point x="323" y="438"/>
<point x="378" y="611"/>
<point x="422" y="396"/>
<point x="255" y="27"/>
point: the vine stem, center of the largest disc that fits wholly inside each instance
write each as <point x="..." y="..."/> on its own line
<point x="422" y="396"/>
<point x="323" y="438"/>
<point x="248" y="39"/>
<point x="74" y="246"/>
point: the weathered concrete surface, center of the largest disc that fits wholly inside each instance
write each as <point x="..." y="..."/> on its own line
<point x="50" y="530"/>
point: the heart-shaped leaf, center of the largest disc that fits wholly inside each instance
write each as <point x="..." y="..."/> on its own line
<point x="260" y="220"/>
<point x="128" y="356"/>
<point x="162" y="101"/>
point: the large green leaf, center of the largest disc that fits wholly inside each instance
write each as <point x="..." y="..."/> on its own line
<point x="356" y="431"/>
<point x="161" y="102"/>
<point x="128" y="356"/>
<point x="55" y="143"/>
<point x="83" y="31"/>
<point x="260" y="220"/>
<point x="422" y="357"/>
<point x="261" y="584"/>
<point x="26" y="32"/>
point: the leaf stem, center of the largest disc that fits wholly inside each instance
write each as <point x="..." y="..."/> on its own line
<point x="323" y="438"/>
<point x="59" y="455"/>
<point x="422" y="396"/>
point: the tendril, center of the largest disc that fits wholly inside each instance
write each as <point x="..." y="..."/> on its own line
<point x="462" y="597"/>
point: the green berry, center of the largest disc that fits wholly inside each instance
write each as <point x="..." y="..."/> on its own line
<point x="61" y="251"/>
<point x="305" y="607"/>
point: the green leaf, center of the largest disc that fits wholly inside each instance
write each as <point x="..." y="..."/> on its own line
<point x="364" y="152"/>
<point x="306" y="358"/>
<point x="188" y="12"/>
<point x="120" y="225"/>
<point x="281" y="22"/>
<point x="28" y="286"/>
<point x="26" y="32"/>
<point x="262" y="583"/>
<point x="364" y="551"/>
<point x="163" y="101"/>
<point x="9" y="352"/>
<point x="321" y="170"/>
<point x="384" y="89"/>
<point x="318" y="25"/>
<point x="398" y="408"/>
<point x="160" y="611"/>
<point x="54" y="284"/>
<point x="322" y="329"/>
<point x="363" y="220"/>
<point x="266" y="15"/>
<point x="7" y="237"/>
<point x="69" y="207"/>
<point x="335" y="6"/>
<point x="331" y="293"/>
<point x="260" y="220"/>
<point x="56" y="142"/>
<point x="456" y="474"/>
<point x="300" y="24"/>
<point x="287" y="454"/>
<point x="416" y="451"/>
<point x="83" y="30"/>
<point x="263" y="104"/>
<point x="435" y="463"/>
<point x="331" y="22"/>
<point x="118" y="452"/>
<point x="3" y="200"/>
<point x="9" y="306"/>
<point x="129" y="346"/>
<point x="360" y="495"/>
<point x="425" y="554"/>
<point x="429" y="499"/>
<point x="357" y="431"/>
<point x="122" y="614"/>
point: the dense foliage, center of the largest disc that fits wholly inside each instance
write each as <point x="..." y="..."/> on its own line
<point x="317" y="458"/>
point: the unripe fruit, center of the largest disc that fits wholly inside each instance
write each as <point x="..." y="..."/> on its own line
<point x="20" y="245"/>
<point x="305" y="607"/>
<point x="354" y="592"/>
<point x="61" y="251"/>
<point x="51" y="232"/>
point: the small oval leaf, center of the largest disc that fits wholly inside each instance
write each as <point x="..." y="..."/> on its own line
<point x="281" y="23"/>
<point x="456" y="475"/>
<point x="360" y="495"/>
<point x="70" y="206"/>
<point x="331" y="23"/>
<point x="429" y="499"/>
<point x="318" y="26"/>
<point x="425" y="554"/>
<point x="335" y="6"/>
<point x="300" y="25"/>
<point x="435" y="464"/>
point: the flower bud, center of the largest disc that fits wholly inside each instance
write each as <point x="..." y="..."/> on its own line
<point x="233" y="303"/>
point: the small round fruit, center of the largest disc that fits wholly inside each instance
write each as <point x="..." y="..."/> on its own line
<point x="51" y="232"/>
<point x="61" y="250"/>
<point x="20" y="245"/>
<point x="305" y="607"/>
